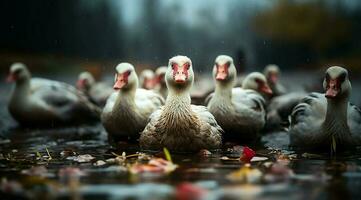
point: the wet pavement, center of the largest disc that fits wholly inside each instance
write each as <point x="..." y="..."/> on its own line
<point x="78" y="163"/>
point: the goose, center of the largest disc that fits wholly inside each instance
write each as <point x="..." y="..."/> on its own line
<point x="127" y="110"/>
<point x="272" y="73"/>
<point x="178" y="125"/>
<point x="239" y="111"/>
<point x="146" y="79"/>
<point x="43" y="102"/>
<point x="324" y="121"/>
<point x="160" y="85"/>
<point x="280" y="107"/>
<point x="98" y="92"/>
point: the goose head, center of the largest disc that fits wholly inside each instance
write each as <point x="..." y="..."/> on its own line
<point x="18" y="72"/>
<point x="160" y="75"/>
<point x="257" y="81"/>
<point x="336" y="82"/>
<point x="147" y="79"/>
<point x="272" y="73"/>
<point x="179" y="75"/>
<point x="125" y="77"/>
<point x="85" y="81"/>
<point x="224" y="71"/>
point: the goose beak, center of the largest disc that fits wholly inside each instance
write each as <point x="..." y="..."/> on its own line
<point x="10" y="78"/>
<point x="266" y="89"/>
<point x="80" y="83"/>
<point x="180" y="78"/>
<point x="222" y="72"/>
<point x="120" y="82"/>
<point x="332" y="89"/>
<point x="221" y="76"/>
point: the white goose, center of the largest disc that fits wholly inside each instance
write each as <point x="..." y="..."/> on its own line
<point x="322" y="121"/>
<point x="272" y="73"/>
<point x="160" y="85"/>
<point x="146" y="79"/>
<point x="178" y="125"/>
<point x="127" y="110"/>
<point x="239" y="111"/>
<point x="43" y="102"/>
<point x="98" y="92"/>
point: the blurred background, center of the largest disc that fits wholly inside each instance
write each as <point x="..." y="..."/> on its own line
<point x="71" y="35"/>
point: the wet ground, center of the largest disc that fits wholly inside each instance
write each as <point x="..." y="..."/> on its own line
<point x="78" y="163"/>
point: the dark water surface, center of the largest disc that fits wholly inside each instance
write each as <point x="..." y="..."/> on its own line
<point x="27" y="172"/>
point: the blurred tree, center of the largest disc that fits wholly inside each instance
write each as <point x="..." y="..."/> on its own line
<point x="304" y="25"/>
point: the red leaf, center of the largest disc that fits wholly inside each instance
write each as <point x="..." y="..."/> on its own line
<point x="247" y="154"/>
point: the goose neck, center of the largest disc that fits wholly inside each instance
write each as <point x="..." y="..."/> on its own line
<point x="223" y="91"/>
<point x="336" y="116"/>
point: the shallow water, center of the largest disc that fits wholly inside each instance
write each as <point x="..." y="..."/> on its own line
<point x="26" y="170"/>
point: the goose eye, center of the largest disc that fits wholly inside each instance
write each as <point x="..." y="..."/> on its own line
<point x="228" y="63"/>
<point x="342" y="77"/>
<point x="186" y="66"/>
<point x="327" y="77"/>
<point x="127" y="73"/>
<point x="173" y="66"/>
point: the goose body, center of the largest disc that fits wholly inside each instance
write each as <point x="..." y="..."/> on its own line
<point x="97" y="92"/>
<point x="127" y="110"/>
<point x="178" y="125"/>
<point x="280" y="107"/>
<point x="239" y="111"/>
<point x="322" y="121"/>
<point x="43" y="102"/>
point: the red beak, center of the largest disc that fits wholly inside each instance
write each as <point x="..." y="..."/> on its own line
<point x="333" y="89"/>
<point x="222" y="73"/>
<point x="10" y="78"/>
<point x="80" y="83"/>
<point x="266" y="89"/>
<point x="180" y="78"/>
<point x="121" y="81"/>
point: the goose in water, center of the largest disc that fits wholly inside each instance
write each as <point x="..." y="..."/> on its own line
<point x="279" y="108"/>
<point x="272" y="73"/>
<point x="98" y="92"/>
<point x="46" y="103"/>
<point x="178" y="125"/>
<point x="324" y="121"/>
<point x="127" y="110"/>
<point x="160" y="85"/>
<point x="239" y="111"/>
<point x="146" y="79"/>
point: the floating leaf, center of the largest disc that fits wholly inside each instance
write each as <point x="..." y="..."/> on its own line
<point x="333" y="145"/>
<point x="247" y="154"/>
<point x="167" y="154"/>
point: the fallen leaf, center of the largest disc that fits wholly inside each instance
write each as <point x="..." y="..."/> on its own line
<point x="245" y="174"/>
<point x="156" y="165"/>
<point x="247" y="154"/>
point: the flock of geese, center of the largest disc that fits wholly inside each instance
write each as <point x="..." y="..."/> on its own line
<point x="155" y="109"/>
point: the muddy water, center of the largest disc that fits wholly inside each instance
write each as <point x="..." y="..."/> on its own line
<point x="27" y="171"/>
